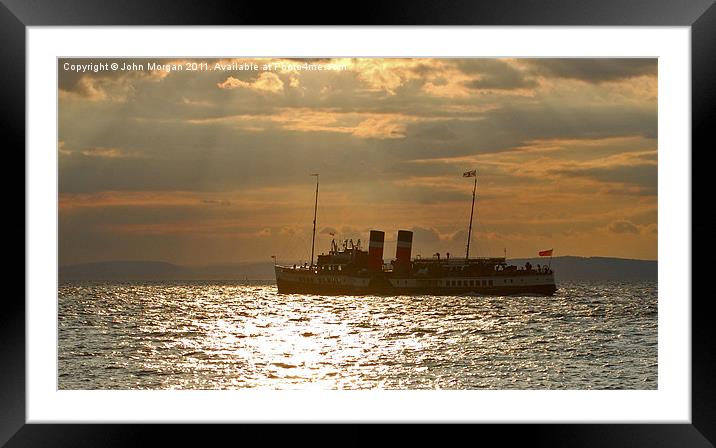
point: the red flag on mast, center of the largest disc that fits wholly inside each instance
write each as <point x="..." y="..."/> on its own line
<point x="545" y="253"/>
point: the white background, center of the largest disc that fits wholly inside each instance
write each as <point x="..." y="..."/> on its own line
<point x="670" y="403"/>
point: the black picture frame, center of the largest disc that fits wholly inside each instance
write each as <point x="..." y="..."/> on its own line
<point x="700" y="15"/>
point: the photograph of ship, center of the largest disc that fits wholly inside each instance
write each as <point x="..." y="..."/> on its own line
<point x="357" y="223"/>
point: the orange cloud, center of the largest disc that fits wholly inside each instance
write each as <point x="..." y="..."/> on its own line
<point x="358" y="124"/>
<point x="214" y="227"/>
<point x="266" y="82"/>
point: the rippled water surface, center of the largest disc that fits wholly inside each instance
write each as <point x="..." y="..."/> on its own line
<point x="209" y="335"/>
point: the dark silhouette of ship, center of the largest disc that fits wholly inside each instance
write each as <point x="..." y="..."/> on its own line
<point x="347" y="269"/>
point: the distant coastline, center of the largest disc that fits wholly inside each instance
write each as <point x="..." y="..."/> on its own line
<point x="567" y="268"/>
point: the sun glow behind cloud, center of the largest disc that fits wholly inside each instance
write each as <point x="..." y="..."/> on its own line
<point x="211" y="166"/>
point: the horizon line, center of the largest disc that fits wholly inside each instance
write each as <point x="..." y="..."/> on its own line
<point x="226" y="263"/>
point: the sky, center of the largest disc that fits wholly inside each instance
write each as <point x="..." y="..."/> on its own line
<point x="212" y="165"/>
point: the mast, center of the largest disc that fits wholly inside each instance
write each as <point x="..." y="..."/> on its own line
<point x="472" y="211"/>
<point x="315" y="210"/>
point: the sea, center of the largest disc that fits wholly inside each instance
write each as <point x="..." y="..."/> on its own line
<point x="235" y="335"/>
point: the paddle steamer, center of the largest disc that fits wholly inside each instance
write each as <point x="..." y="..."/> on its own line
<point x="348" y="269"/>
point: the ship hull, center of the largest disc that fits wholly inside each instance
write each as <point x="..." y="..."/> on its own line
<point x="303" y="281"/>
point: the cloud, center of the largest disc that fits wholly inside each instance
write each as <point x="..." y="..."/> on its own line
<point x="642" y="174"/>
<point x="102" y="85"/>
<point x="594" y="70"/>
<point x="223" y="202"/>
<point x="425" y="236"/>
<point x="108" y="153"/>
<point x="358" y="124"/>
<point x="382" y="127"/>
<point x="169" y="198"/>
<point x="623" y="227"/>
<point x="161" y="154"/>
<point x="386" y="75"/>
<point x="62" y="149"/>
<point x="266" y="82"/>
<point x="495" y="74"/>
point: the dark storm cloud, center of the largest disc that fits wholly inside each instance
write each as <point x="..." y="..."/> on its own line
<point x="594" y="70"/>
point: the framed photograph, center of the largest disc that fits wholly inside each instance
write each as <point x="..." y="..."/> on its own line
<point x="488" y="222"/>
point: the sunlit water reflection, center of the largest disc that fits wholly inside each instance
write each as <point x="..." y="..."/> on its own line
<point x="201" y="335"/>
